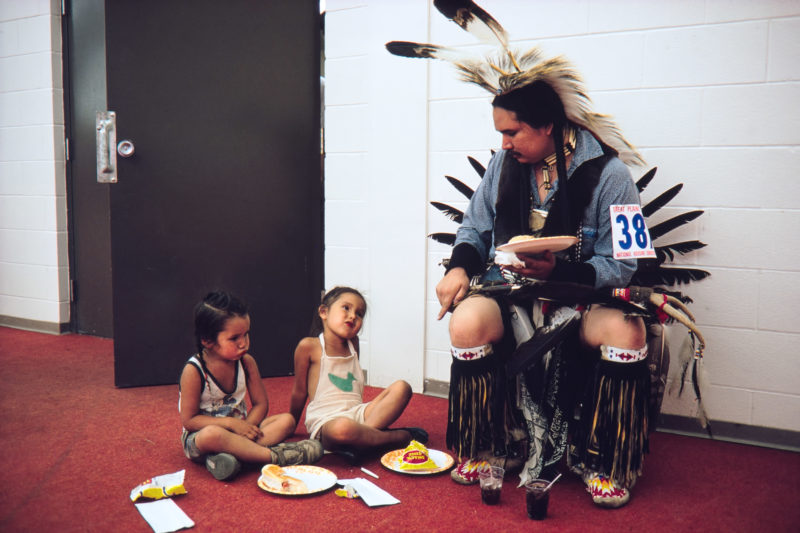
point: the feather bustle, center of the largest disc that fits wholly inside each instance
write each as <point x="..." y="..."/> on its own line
<point x="451" y="212"/>
<point x="479" y="168"/>
<point x="647" y="177"/>
<point x="460" y="186"/>
<point x="683" y="248"/>
<point x="667" y="276"/>
<point x="670" y="224"/>
<point x="661" y="200"/>
<point x="444" y="238"/>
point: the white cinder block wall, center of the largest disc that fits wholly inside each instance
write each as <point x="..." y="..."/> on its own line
<point x="708" y="90"/>
<point x="34" y="277"/>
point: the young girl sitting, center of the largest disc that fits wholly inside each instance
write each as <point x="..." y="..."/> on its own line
<point x="327" y="371"/>
<point x="218" y="428"/>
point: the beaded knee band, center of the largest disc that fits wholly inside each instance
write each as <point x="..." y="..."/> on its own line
<point x="471" y="354"/>
<point x="621" y="355"/>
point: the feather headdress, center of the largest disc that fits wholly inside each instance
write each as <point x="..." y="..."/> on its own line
<point x="507" y="70"/>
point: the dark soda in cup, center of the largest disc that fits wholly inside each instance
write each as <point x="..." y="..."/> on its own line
<point x="536" y="499"/>
<point x="490" y="496"/>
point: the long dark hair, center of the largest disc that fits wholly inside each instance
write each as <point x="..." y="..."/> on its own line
<point x="538" y="105"/>
<point x="328" y="300"/>
<point x="211" y="314"/>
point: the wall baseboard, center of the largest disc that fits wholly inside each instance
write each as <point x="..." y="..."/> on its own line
<point x="34" y="325"/>
<point x="781" y="439"/>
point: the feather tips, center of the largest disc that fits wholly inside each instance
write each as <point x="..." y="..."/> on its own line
<point x="661" y="275"/>
<point x="444" y="238"/>
<point x="670" y="224"/>
<point x="451" y="212"/>
<point x="473" y="19"/>
<point x="644" y="181"/>
<point x="669" y="250"/>
<point x="479" y="168"/>
<point x="661" y="200"/>
<point x="460" y="186"/>
<point x="424" y="51"/>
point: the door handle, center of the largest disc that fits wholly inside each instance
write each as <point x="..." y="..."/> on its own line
<point x="125" y="148"/>
<point x="106" y="135"/>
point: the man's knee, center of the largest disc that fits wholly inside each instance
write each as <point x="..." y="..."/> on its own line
<point x="475" y="322"/>
<point x="612" y="327"/>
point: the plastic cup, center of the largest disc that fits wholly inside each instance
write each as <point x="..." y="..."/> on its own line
<point x="491" y="480"/>
<point x="537" y="498"/>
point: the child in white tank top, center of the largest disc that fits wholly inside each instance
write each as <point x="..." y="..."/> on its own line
<point x="328" y="373"/>
<point x="218" y="427"/>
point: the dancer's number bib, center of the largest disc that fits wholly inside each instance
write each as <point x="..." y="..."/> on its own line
<point x="629" y="232"/>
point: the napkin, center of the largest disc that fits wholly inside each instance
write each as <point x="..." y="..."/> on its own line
<point x="372" y="494"/>
<point x="164" y="515"/>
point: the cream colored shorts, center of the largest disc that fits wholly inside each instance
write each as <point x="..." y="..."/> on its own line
<point x="314" y="424"/>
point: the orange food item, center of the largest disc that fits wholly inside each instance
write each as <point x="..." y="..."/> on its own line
<point x="275" y="478"/>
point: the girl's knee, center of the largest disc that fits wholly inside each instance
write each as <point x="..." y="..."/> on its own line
<point x="402" y="388"/>
<point x="339" y="431"/>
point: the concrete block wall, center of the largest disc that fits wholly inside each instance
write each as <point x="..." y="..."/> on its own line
<point x="707" y="90"/>
<point x="34" y="277"/>
<point x="373" y="214"/>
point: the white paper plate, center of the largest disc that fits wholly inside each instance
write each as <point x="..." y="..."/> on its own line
<point x="538" y="245"/>
<point x="316" y="478"/>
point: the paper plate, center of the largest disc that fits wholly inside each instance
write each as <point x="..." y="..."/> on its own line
<point x="317" y="479"/>
<point x="392" y="461"/>
<point x="538" y="245"/>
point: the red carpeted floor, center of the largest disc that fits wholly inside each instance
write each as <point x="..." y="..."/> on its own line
<point x="73" y="447"/>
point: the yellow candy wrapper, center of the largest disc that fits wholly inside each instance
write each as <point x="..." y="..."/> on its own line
<point x="160" y="487"/>
<point x="346" y="492"/>
<point x="415" y="457"/>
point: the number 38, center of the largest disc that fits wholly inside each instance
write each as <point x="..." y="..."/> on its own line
<point x="639" y="228"/>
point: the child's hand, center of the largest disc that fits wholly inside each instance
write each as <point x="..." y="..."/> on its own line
<point x="246" y="429"/>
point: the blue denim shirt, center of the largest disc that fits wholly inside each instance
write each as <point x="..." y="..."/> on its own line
<point x="616" y="186"/>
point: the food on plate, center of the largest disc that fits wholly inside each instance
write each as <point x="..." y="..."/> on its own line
<point x="275" y="478"/>
<point x="415" y="457"/>
<point x="520" y="238"/>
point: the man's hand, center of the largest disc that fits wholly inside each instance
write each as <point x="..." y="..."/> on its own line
<point x="538" y="266"/>
<point x="452" y="289"/>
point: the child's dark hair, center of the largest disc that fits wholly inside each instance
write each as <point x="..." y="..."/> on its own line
<point x="212" y="312"/>
<point x="328" y="300"/>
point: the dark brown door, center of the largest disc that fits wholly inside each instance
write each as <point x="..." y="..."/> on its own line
<point x="221" y="103"/>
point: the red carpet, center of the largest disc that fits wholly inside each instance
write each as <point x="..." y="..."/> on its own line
<point x="74" y="447"/>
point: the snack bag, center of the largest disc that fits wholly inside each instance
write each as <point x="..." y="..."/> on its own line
<point x="160" y="487"/>
<point x="415" y="457"/>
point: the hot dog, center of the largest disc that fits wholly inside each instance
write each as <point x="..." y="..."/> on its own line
<point x="275" y="478"/>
